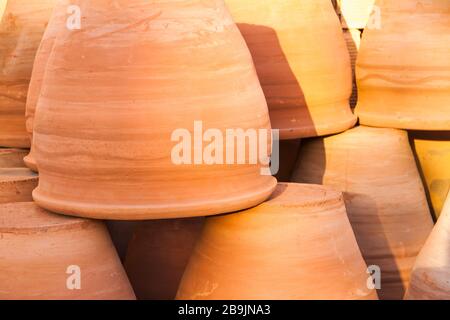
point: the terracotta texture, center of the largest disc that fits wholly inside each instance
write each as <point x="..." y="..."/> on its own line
<point x="302" y="62"/>
<point x="297" y="245"/>
<point x="38" y="247"/>
<point x="288" y="151"/>
<point x="121" y="233"/>
<point x="431" y="273"/>
<point x="22" y="25"/>
<point x="56" y="22"/>
<point x="403" y="68"/>
<point x="16" y="184"/>
<point x="12" y="158"/>
<point x="384" y="196"/>
<point x="138" y="71"/>
<point x="433" y="154"/>
<point x="158" y="254"/>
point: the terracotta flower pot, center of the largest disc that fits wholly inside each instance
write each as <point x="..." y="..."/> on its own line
<point x="297" y="245"/>
<point x="289" y="150"/>
<point x="121" y="233"/>
<point x="158" y="254"/>
<point x="22" y="25"/>
<point x="433" y="154"/>
<point x="56" y="22"/>
<point x="403" y="68"/>
<point x="383" y="192"/>
<point x="44" y="255"/>
<point x="140" y="72"/>
<point x="12" y="158"/>
<point x="17" y="184"/>
<point x="431" y="273"/>
<point x="302" y="63"/>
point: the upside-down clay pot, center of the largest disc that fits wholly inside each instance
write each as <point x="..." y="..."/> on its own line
<point x="158" y="254"/>
<point x="403" y="67"/>
<point x="302" y="62"/>
<point x="48" y="256"/>
<point x="297" y="245"/>
<point x="288" y="152"/>
<point x="12" y="158"/>
<point x="56" y="22"/>
<point x="433" y="154"/>
<point x="384" y="196"/>
<point x="121" y="233"/>
<point x="22" y="24"/>
<point x="148" y="80"/>
<point x="431" y="273"/>
<point x="17" y="184"/>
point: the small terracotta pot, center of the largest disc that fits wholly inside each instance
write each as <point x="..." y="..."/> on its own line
<point x="158" y="254"/>
<point x="384" y="195"/>
<point x="17" y="184"/>
<point x="433" y="154"/>
<point x="121" y="233"/>
<point x="42" y="254"/>
<point x="403" y="67"/>
<point x="431" y="273"/>
<point x="288" y="151"/>
<point x="302" y="63"/>
<point x="297" y="245"/>
<point x="22" y="25"/>
<point x="123" y="67"/>
<point x="12" y="158"/>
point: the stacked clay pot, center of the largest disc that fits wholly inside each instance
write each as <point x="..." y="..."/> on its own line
<point x="297" y="245"/>
<point x="12" y="158"/>
<point x="104" y="148"/>
<point x="431" y="273"/>
<point x="384" y="196"/>
<point x="22" y="23"/>
<point x="403" y="68"/>
<point x="158" y="254"/>
<point x="17" y="184"/>
<point x="40" y="251"/>
<point x="302" y="62"/>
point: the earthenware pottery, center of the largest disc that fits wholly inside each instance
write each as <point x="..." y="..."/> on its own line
<point x="17" y="184"/>
<point x="48" y="256"/>
<point x="158" y="254"/>
<point x="149" y="81"/>
<point x="121" y="233"/>
<point x="297" y="245"/>
<point x="288" y="152"/>
<point x="403" y="67"/>
<point x="433" y="154"/>
<point x="431" y="273"/>
<point x="302" y="62"/>
<point x="22" y="24"/>
<point x="56" y="22"/>
<point x="12" y="158"/>
<point x="384" y="195"/>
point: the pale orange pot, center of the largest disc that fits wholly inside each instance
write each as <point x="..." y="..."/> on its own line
<point x="138" y="72"/>
<point x="403" y="67"/>
<point x="433" y="154"/>
<point x="297" y="245"/>
<point x="158" y="254"/>
<point x="17" y="184"/>
<point x="43" y="254"/>
<point x="57" y="21"/>
<point x="12" y="158"/>
<point x="302" y="62"/>
<point x="384" y="196"/>
<point x="22" y="24"/>
<point x="431" y="273"/>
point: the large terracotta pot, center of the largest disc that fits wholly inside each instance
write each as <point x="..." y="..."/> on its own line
<point x="297" y="245"/>
<point x="12" y="158"/>
<point x="17" y="184"/>
<point x="43" y="253"/>
<point x="403" y="68"/>
<point x="22" y="25"/>
<point x="383" y="192"/>
<point x="121" y="233"/>
<point x="56" y="22"/>
<point x="302" y="63"/>
<point x="158" y="254"/>
<point x="433" y="154"/>
<point x="431" y="273"/>
<point x="140" y="72"/>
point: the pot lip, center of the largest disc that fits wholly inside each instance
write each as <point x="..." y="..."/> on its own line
<point x="10" y="175"/>
<point x="27" y="217"/>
